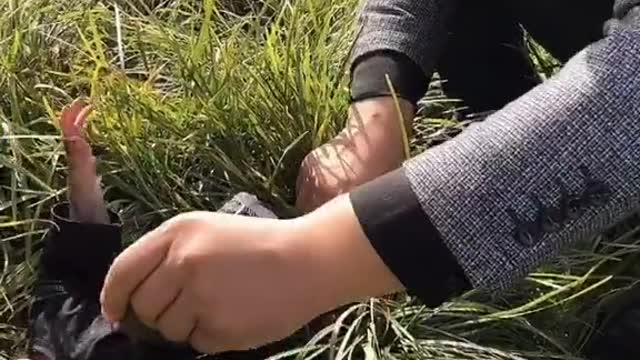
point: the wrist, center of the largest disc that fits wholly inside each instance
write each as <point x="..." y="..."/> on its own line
<point x="340" y="264"/>
<point x="382" y="112"/>
<point x="376" y="131"/>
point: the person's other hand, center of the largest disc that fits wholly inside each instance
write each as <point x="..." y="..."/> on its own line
<point x="225" y="283"/>
<point x="370" y="146"/>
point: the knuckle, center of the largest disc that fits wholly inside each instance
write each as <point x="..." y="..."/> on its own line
<point x="184" y="261"/>
<point x="305" y="166"/>
<point x="179" y="220"/>
<point x="169" y="224"/>
<point x="310" y="161"/>
<point x="194" y="215"/>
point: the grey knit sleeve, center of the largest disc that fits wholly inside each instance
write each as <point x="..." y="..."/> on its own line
<point x="556" y="166"/>
<point x="414" y="28"/>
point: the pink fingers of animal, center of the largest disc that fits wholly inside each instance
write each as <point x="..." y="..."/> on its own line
<point x="68" y="119"/>
<point x="82" y="116"/>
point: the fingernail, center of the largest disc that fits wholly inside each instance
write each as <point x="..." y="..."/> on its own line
<point x="115" y="326"/>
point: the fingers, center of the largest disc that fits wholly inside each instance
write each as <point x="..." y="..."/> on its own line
<point x="202" y="341"/>
<point x="81" y="118"/>
<point x="156" y="294"/>
<point x="130" y="269"/>
<point x="217" y="337"/>
<point x="213" y="342"/>
<point x="68" y="119"/>
<point x="178" y="321"/>
<point x="74" y="118"/>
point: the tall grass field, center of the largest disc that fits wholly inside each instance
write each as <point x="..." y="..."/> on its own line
<point x="198" y="99"/>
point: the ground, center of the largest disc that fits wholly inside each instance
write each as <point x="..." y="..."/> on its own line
<point x="197" y="99"/>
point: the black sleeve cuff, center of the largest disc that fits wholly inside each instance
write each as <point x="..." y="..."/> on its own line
<point x="369" y="77"/>
<point x="79" y="254"/>
<point x="406" y="240"/>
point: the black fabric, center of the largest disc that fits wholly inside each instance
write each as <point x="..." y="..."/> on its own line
<point x="485" y="62"/>
<point x="65" y="322"/>
<point x="562" y="27"/>
<point x="617" y="328"/>
<point x="98" y="245"/>
<point x="411" y="247"/>
<point x="370" y="77"/>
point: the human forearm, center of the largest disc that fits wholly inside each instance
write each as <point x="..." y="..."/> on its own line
<point x="508" y="193"/>
<point x="370" y="145"/>
<point x="338" y="256"/>
<point x="395" y="52"/>
<point x="379" y="126"/>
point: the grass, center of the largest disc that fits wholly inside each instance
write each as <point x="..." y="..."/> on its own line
<point x="196" y="100"/>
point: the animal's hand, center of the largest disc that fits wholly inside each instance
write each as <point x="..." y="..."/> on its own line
<point x="84" y="192"/>
<point x="73" y="121"/>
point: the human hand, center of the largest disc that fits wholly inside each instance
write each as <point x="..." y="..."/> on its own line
<point x="370" y="146"/>
<point x="228" y="283"/>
